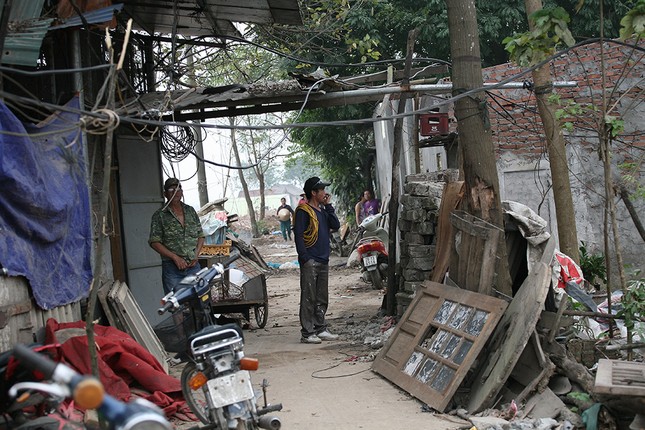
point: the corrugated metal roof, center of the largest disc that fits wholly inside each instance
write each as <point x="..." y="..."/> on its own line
<point x="24" y="10"/>
<point x="209" y="17"/>
<point x="25" y="32"/>
<point x="92" y="17"/>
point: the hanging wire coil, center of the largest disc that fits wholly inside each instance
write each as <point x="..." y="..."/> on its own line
<point x="177" y="142"/>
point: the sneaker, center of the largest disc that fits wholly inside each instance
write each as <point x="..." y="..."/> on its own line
<point x="310" y="339"/>
<point x="325" y="335"/>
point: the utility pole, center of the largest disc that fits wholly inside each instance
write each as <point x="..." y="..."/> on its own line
<point x="202" y="187"/>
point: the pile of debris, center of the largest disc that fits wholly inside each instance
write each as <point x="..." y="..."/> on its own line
<point x="515" y="359"/>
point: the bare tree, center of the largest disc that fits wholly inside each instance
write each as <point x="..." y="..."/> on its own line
<point x="245" y="187"/>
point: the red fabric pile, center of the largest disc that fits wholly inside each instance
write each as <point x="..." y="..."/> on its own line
<point x="122" y="362"/>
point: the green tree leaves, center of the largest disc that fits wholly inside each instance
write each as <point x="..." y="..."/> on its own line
<point x="549" y="33"/>
<point x="633" y="23"/>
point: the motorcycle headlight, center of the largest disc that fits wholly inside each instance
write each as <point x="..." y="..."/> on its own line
<point x="147" y="421"/>
<point x="144" y="415"/>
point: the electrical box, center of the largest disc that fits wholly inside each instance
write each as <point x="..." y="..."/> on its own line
<point x="433" y="124"/>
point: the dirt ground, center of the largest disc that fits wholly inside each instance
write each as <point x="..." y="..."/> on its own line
<point x="330" y="385"/>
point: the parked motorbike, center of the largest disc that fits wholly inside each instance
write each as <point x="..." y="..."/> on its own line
<point x="86" y="391"/>
<point x="338" y="241"/>
<point x="216" y="382"/>
<point x="371" y="245"/>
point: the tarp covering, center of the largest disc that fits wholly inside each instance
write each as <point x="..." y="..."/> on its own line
<point x="45" y="232"/>
<point x="122" y="363"/>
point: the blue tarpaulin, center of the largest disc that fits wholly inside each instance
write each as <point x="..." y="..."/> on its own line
<point x="45" y="231"/>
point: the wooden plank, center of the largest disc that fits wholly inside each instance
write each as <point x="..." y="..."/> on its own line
<point x="510" y="338"/>
<point x="474" y="260"/>
<point x="472" y="264"/>
<point x="470" y="224"/>
<point x="532" y="369"/>
<point x="464" y="247"/>
<point x="620" y="378"/>
<point x="109" y="312"/>
<point x="450" y="199"/>
<point x="429" y="360"/>
<point x="488" y="261"/>
<point x="136" y="323"/>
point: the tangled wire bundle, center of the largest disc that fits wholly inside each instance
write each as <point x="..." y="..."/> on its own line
<point x="177" y="142"/>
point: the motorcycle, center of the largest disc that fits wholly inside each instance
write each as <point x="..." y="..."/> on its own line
<point x="215" y="381"/>
<point x="370" y="245"/>
<point x="86" y="391"/>
<point x="338" y="241"/>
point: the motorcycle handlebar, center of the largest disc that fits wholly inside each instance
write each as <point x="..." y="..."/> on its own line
<point x="34" y="361"/>
<point x="165" y="308"/>
<point x="88" y="393"/>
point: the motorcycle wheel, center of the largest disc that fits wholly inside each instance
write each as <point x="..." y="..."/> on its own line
<point x="196" y="399"/>
<point x="375" y="277"/>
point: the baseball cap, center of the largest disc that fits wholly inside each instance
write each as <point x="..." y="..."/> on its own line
<point x="170" y="182"/>
<point x="314" y="183"/>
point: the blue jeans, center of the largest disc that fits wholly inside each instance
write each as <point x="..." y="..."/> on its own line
<point x="285" y="228"/>
<point x="171" y="275"/>
<point x="314" y="297"/>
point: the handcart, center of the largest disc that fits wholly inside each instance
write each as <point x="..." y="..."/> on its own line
<point x="244" y="285"/>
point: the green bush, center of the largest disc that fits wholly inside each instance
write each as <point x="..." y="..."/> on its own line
<point x="593" y="266"/>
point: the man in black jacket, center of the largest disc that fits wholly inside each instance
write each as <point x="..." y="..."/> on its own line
<point x="313" y="222"/>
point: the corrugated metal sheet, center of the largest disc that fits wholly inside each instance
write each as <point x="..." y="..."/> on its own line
<point x="24" y="10"/>
<point x="23" y="47"/>
<point x="93" y="17"/>
<point x="25" y="32"/>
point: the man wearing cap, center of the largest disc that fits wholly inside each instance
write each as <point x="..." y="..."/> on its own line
<point x="313" y="221"/>
<point x="176" y="234"/>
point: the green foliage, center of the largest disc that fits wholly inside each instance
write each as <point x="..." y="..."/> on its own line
<point x="342" y="154"/>
<point x="549" y="33"/>
<point x="263" y="226"/>
<point x="630" y="173"/>
<point x="633" y="23"/>
<point x="593" y="266"/>
<point x="633" y="305"/>
<point x="579" y="396"/>
<point x="585" y="16"/>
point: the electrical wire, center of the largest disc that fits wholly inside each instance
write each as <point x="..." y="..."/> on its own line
<point x="320" y="64"/>
<point x="177" y="142"/>
<point x="315" y="373"/>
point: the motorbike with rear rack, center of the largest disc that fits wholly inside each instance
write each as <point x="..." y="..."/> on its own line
<point x="216" y="380"/>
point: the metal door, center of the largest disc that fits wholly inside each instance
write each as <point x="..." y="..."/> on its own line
<point x="140" y="190"/>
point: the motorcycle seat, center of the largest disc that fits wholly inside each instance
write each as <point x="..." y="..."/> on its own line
<point x="213" y="330"/>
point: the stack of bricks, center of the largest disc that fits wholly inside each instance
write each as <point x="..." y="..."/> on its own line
<point x="418" y="220"/>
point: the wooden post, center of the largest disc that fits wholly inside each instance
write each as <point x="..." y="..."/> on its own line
<point x="392" y="282"/>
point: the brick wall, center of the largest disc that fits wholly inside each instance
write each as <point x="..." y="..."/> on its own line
<point x="515" y="122"/>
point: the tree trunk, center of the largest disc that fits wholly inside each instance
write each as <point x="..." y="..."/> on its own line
<point x="624" y="195"/>
<point x="258" y="170"/>
<point x="476" y="145"/>
<point x="567" y="232"/>
<point x="245" y="187"/>
<point x="262" y="187"/>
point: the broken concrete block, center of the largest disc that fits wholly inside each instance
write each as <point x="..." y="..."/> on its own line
<point x="484" y="423"/>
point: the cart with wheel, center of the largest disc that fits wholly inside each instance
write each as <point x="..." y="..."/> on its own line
<point x="231" y="297"/>
<point x="242" y="289"/>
